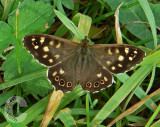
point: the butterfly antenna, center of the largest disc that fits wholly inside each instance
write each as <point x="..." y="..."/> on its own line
<point x="99" y="32"/>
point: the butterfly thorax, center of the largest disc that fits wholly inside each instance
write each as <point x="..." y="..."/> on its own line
<point x="85" y="48"/>
<point x="85" y="42"/>
<point x="84" y="56"/>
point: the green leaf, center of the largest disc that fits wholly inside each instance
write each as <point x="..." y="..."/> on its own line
<point x="68" y="4"/>
<point x="66" y="118"/>
<point x="41" y="86"/>
<point x="33" y="16"/>
<point x="6" y="36"/>
<point x="132" y="12"/>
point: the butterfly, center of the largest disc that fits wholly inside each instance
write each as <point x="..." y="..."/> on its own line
<point x="70" y="63"/>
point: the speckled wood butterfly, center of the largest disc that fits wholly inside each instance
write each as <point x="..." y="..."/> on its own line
<point x="70" y="63"/>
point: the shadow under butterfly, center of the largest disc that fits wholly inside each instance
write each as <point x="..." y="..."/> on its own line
<point x="91" y="66"/>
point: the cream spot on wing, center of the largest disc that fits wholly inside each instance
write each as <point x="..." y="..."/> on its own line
<point x="51" y="43"/>
<point x="58" y="45"/>
<point x="59" y="62"/>
<point x="130" y="58"/>
<point x="36" y="47"/>
<point x="109" y="52"/>
<point x="54" y="73"/>
<point x="120" y="58"/>
<point x="117" y="51"/>
<point x="104" y="67"/>
<point x="56" y="56"/>
<point x="45" y="56"/>
<point x="108" y="62"/>
<point x="45" y="49"/>
<point x="135" y="52"/>
<point x="99" y="75"/>
<point x="33" y="39"/>
<point x="51" y="60"/>
<point x="126" y="50"/>
<point x="119" y="65"/>
<point x="61" y="71"/>
<point x="113" y="68"/>
<point x="105" y="79"/>
<point x="42" y="40"/>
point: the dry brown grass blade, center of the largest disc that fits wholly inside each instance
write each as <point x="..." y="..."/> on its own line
<point x="53" y="104"/>
<point x="133" y="108"/>
<point x="117" y="27"/>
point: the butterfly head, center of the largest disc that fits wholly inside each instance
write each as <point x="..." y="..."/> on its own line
<point x="85" y="42"/>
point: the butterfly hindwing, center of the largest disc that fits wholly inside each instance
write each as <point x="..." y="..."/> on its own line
<point x="63" y="75"/>
<point x="48" y="49"/>
<point x="118" y="58"/>
<point x="95" y="77"/>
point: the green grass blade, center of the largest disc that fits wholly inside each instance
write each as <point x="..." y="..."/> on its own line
<point x="151" y="20"/>
<point x="152" y="59"/>
<point x="152" y="78"/>
<point x="87" y="110"/>
<point x="70" y="25"/>
<point x="122" y="93"/>
<point x="153" y="116"/>
<point x="25" y="78"/>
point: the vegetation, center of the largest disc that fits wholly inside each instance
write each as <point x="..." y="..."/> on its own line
<point x="132" y="100"/>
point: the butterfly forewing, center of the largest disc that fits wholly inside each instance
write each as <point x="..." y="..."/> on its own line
<point x="118" y="58"/>
<point x="47" y="49"/>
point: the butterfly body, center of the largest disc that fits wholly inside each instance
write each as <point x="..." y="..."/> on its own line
<point x="91" y="66"/>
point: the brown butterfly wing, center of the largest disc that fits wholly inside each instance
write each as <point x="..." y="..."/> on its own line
<point x="93" y="75"/>
<point x="118" y="58"/>
<point x="69" y="62"/>
<point x="63" y="76"/>
<point x="47" y="49"/>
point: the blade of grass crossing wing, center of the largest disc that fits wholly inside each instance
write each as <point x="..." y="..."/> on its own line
<point x="152" y="59"/>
